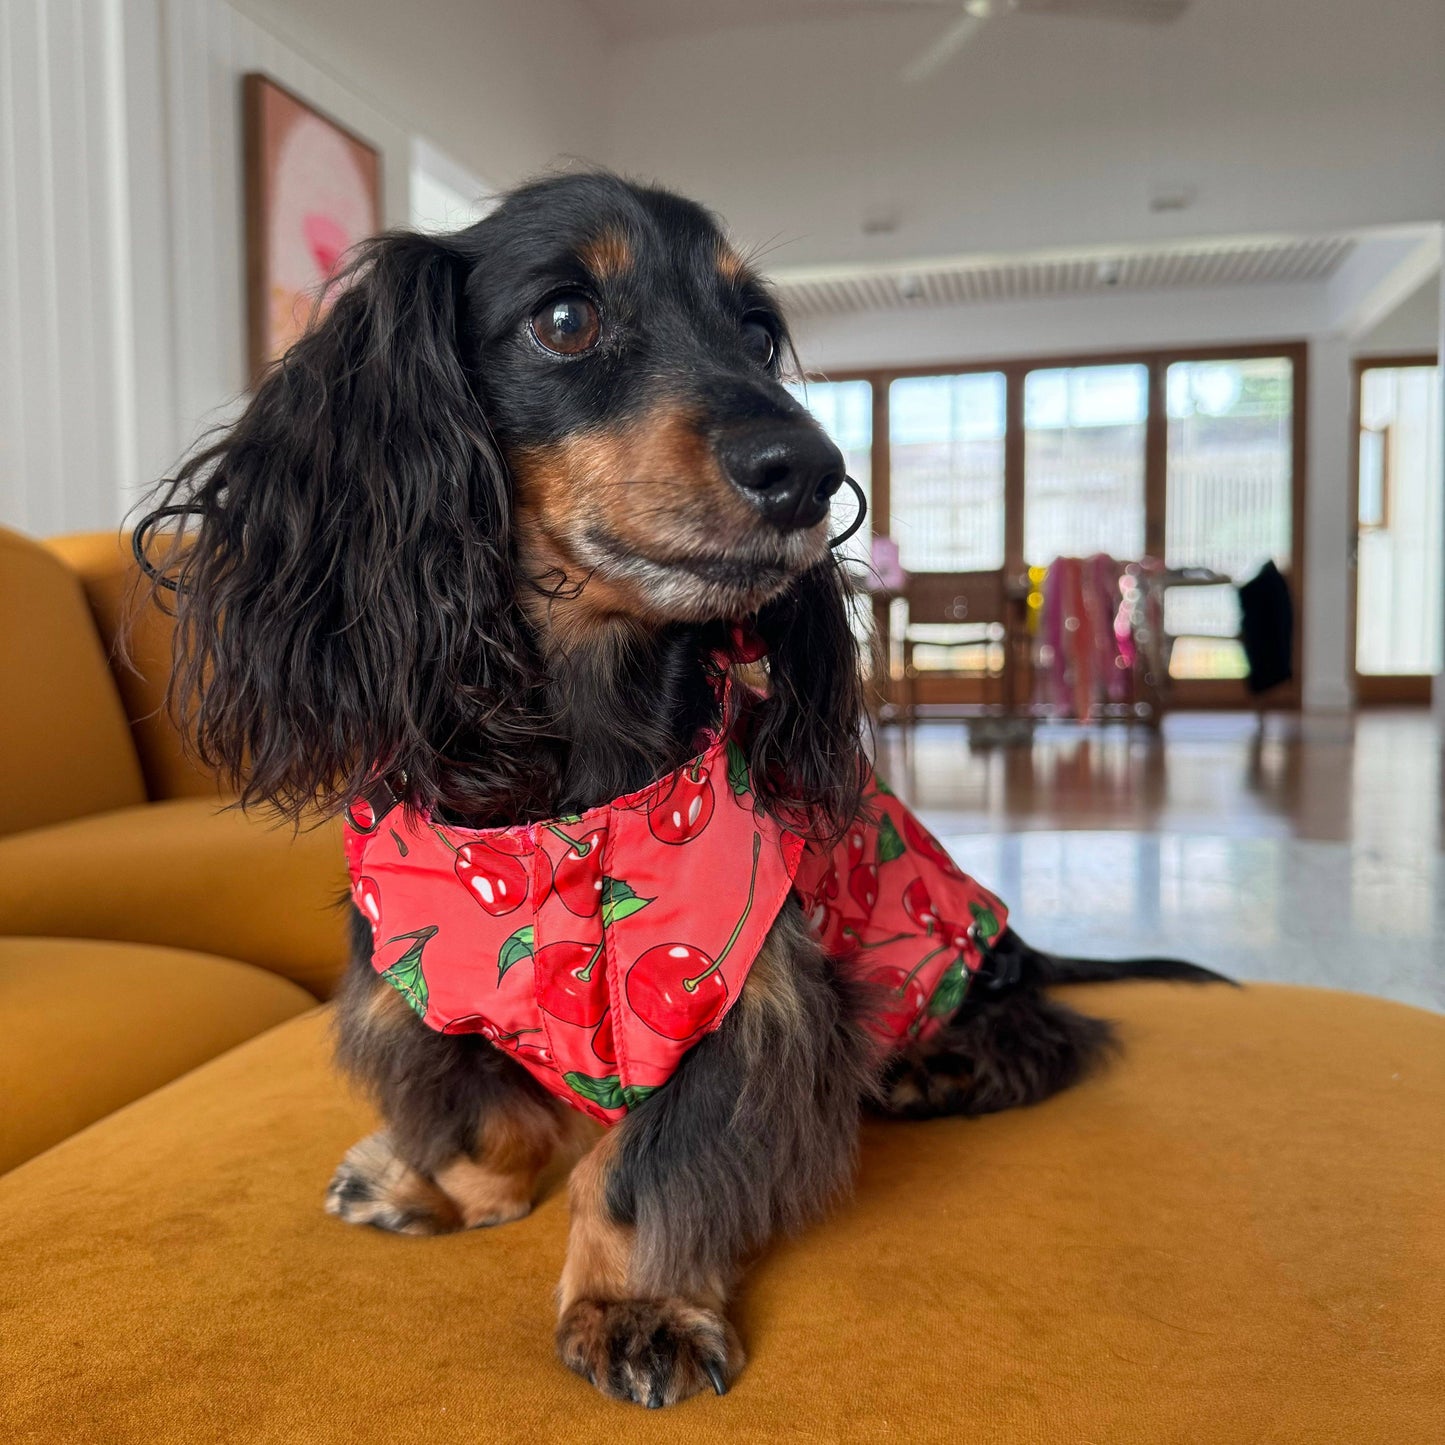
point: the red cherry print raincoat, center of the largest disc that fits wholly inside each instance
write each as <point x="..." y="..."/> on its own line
<point x="597" y="950"/>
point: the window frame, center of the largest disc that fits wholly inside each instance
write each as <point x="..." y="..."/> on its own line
<point x="1189" y="693"/>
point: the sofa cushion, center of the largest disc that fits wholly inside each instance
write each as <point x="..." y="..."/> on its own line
<point x="1233" y="1234"/>
<point x="107" y="571"/>
<point x="189" y="874"/>
<point x="63" y="737"/>
<point x="86" y="1027"/>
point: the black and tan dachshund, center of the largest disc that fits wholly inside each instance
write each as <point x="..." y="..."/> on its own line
<point x="482" y="529"/>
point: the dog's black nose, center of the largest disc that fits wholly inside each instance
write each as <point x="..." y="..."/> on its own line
<point x="787" y="470"/>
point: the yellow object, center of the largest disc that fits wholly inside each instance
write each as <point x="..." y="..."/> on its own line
<point x="64" y="743"/>
<point x="140" y="661"/>
<point x="1232" y="1235"/>
<point x="87" y="1027"/>
<point x="187" y="874"/>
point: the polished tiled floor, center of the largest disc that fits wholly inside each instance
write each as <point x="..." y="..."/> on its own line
<point x="1308" y="852"/>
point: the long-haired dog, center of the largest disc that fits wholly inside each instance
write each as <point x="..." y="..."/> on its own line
<point x="483" y="533"/>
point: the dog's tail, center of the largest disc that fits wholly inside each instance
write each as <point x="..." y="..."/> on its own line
<point x="1034" y="967"/>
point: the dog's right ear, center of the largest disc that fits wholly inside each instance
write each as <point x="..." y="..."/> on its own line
<point x="345" y="592"/>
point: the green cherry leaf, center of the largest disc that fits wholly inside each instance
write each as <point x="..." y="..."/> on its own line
<point x="519" y="946"/>
<point x="740" y="777"/>
<point x="882" y="788"/>
<point x="405" y="975"/>
<point x="634" y="1094"/>
<point x="619" y="901"/>
<point x="605" y="1092"/>
<point x="949" y="994"/>
<point x="890" y="845"/>
<point x="986" y="920"/>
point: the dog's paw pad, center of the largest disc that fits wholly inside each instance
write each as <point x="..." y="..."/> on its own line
<point x="651" y="1352"/>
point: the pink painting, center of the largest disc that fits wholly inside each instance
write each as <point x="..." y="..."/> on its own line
<point x="313" y="192"/>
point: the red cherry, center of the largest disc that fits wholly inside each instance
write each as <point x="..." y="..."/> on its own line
<point x="368" y="900"/>
<point x="579" y="873"/>
<point x="684" y="808"/>
<point x="922" y="841"/>
<point x="822" y="919"/>
<point x="829" y="883"/>
<point x="676" y="990"/>
<point x="863" y="886"/>
<point x="903" y="999"/>
<point x="918" y="905"/>
<point x="363" y="815"/>
<point x="566" y="986"/>
<point x="857" y="843"/>
<point x="472" y="1024"/>
<point x="542" y="886"/>
<point x="603" y="1043"/>
<point x="494" y="875"/>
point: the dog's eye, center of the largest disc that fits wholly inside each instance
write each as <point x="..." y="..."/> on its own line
<point x="758" y="341"/>
<point x="567" y="324"/>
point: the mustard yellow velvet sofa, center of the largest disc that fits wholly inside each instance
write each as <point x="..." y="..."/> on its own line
<point x="1237" y="1233"/>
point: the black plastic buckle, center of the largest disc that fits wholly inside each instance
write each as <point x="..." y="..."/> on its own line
<point x="380" y="806"/>
<point x="995" y="973"/>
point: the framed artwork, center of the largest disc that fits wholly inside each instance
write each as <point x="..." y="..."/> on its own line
<point x="313" y="190"/>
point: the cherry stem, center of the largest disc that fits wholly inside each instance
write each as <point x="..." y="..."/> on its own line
<point x="914" y="971"/>
<point x="445" y="839"/>
<point x="691" y="984"/>
<point x="883" y="942"/>
<point x="586" y="975"/>
<point x="580" y="849"/>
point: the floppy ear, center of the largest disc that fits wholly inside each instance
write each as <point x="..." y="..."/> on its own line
<point x="808" y="745"/>
<point x="345" y="599"/>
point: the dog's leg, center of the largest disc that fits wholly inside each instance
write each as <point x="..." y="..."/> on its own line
<point x="467" y="1131"/>
<point x="755" y="1132"/>
<point x="999" y="1053"/>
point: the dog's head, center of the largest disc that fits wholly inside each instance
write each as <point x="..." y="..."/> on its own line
<point x="562" y="428"/>
<point x="627" y="360"/>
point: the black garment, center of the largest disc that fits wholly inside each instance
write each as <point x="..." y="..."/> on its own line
<point x="1266" y="628"/>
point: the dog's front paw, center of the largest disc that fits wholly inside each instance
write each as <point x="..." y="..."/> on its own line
<point x="372" y="1186"/>
<point x="652" y="1352"/>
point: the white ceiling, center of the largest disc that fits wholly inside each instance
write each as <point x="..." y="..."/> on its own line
<point x="663" y="19"/>
<point x="838" y="290"/>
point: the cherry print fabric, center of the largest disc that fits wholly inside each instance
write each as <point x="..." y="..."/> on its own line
<point x="597" y="950"/>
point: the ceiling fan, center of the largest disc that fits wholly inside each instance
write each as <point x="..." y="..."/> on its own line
<point x="975" y="14"/>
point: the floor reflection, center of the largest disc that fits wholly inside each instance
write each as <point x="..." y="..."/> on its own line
<point x="1350" y="916"/>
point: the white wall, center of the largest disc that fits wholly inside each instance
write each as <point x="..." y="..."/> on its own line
<point x="506" y="87"/>
<point x="64" y="407"/>
<point x="122" y="284"/>
<point x="1414" y="325"/>
<point x="1284" y="115"/>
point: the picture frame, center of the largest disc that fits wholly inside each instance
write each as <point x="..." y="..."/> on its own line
<point x="313" y="190"/>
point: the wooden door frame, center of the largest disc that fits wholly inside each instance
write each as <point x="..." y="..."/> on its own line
<point x="1220" y="693"/>
<point x="1374" y="689"/>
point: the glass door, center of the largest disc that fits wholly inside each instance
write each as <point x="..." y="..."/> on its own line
<point x="1399" y="537"/>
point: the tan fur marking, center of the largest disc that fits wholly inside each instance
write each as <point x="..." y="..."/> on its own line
<point x="770" y="987"/>
<point x="385" y="1007"/>
<point x="607" y="256"/>
<point x="599" y="1252"/>
<point x="730" y="265"/>
<point x="499" y="1181"/>
<point x="396" y="1196"/>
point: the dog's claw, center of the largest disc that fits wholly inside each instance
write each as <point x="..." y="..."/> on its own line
<point x="715" y="1374"/>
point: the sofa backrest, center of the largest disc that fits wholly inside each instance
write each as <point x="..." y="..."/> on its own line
<point x="65" y="747"/>
<point x="107" y="570"/>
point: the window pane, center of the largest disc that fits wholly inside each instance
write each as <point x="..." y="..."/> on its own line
<point x="1398" y="619"/>
<point x="844" y="410"/>
<point x="946" y="471"/>
<point x="1228" y="497"/>
<point x="1084" y="462"/>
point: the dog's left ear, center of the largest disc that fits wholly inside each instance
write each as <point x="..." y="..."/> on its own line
<point x="808" y="745"/>
<point x="345" y="585"/>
